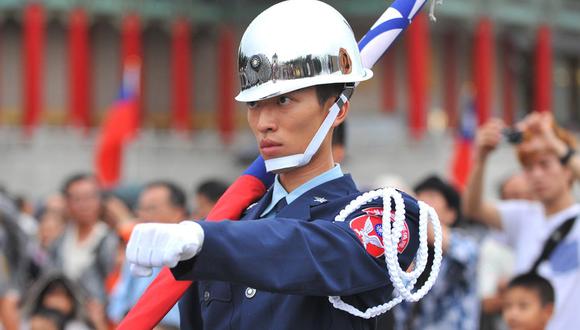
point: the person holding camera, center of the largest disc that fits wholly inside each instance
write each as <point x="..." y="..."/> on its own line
<point x="543" y="233"/>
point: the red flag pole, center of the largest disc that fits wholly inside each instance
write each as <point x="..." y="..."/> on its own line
<point x="181" y="72"/>
<point x="483" y="69"/>
<point x="33" y="55"/>
<point x="450" y="79"/>
<point x="226" y="70"/>
<point x="79" y="74"/>
<point x="543" y="70"/>
<point x="508" y="82"/>
<point x="418" y="73"/>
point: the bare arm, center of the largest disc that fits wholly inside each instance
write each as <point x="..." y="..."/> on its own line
<point x="487" y="139"/>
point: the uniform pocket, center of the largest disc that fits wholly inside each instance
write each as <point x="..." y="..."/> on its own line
<point x="215" y="291"/>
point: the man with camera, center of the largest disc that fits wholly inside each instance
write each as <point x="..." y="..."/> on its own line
<point x="543" y="233"/>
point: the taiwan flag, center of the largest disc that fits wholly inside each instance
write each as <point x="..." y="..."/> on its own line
<point x="461" y="161"/>
<point x="119" y="126"/>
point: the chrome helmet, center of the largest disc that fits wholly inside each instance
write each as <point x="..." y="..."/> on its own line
<point x="296" y="44"/>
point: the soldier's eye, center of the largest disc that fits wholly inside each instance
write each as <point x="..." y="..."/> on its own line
<point x="251" y="105"/>
<point x="283" y="100"/>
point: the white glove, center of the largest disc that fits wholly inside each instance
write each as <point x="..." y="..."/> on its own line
<point x="162" y="244"/>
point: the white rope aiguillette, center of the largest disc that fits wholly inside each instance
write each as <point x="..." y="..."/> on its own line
<point x="403" y="282"/>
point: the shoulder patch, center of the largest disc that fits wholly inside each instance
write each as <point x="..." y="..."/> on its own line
<point x="369" y="229"/>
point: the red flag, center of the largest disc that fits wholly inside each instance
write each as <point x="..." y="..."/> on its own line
<point x="461" y="161"/>
<point x="483" y="68"/>
<point x="119" y="126"/>
<point x="164" y="292"/>
<point x="79" y="79"/>
<point x="543" y="70"/>
<point x="131" y="51"/>
<point x="181" y="73"/>
<point x="418" y="73"/>
<point x="33" y="55"/>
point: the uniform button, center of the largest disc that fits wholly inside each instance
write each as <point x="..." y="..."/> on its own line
<point x="250" y="293"/>
<point x="206" y="296"/>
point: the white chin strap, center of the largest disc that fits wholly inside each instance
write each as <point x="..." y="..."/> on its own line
<point x="403" y="282"/>
<point x="286" y="162"/>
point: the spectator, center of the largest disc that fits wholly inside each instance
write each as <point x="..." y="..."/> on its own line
<point x="529" y="302"/>
<point x="550" y="166"/>
<point x="47" y="319"/>
<point x="160" y="201"/>
<point x="14" y="260"/>
<point x="55" y="292"/>
<point x="206" y="195"/>
<point x="496" y="259"/>
<point x="51" y="224"/>
<point x="26" y="221"/>
<point x="452" y="303"/>
<point x="516" y="186"/>
<point x="86" y="251"/>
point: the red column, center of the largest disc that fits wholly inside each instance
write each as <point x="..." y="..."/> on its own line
<point x="79" y="73"/>
<point x="226" y="70"/>
<point x="450" y="93"/>
<point x="181" y="73"/>
<point x="418" y="73"/>
<point x="389" y="81"/>
<point x="543" y="70"/>
<point x="33" y="60"/>
<point x="508" y="82"/>
<point x="131" y="53"/>
<point x="483" y="55"/>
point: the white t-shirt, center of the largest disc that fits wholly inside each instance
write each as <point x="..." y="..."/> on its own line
<point x="527" y="228"/>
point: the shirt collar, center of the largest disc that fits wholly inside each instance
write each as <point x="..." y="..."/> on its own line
<point x="278" y="191"/>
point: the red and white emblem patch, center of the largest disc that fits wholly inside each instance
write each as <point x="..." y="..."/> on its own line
<point x="369" y="229"/>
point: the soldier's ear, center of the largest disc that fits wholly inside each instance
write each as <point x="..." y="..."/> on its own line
<point x="341" y="117"/>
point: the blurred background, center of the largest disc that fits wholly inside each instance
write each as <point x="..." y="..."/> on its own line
<point x="61" y="68"/>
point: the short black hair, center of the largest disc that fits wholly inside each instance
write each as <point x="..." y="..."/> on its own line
<point x="339" y="135"/>
<point x="324" y="92"/>
<point x="74" y="179"/>
<point x="177" y="195"/>
<point x="212" y="189"/>
<point x="450" y="194"/>
<point x="535" y="282"/>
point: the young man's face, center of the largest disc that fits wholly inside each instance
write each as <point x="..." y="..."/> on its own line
<point x="284" y="125"/>
<point x="83" y="201"/>
<point x="523" y="310"/>
<point x="548" y="179"/>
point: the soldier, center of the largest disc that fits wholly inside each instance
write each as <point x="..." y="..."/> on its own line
<point x="297" y="60"/>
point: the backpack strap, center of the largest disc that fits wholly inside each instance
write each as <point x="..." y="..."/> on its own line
<point x="552" y="242"/>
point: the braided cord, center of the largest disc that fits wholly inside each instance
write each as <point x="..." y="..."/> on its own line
<point x="391" y="235"/>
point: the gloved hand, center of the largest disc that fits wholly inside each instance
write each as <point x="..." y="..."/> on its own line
<point x="161" y="244"/>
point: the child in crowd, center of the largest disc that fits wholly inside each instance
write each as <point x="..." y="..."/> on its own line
<point x="529" y="302"/>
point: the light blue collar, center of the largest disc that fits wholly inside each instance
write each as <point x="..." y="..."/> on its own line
<point x="278" y="191"/>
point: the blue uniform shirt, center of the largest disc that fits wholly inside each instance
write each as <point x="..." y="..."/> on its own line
<point x="277" y="273"/>
<point x="278" y="191"/>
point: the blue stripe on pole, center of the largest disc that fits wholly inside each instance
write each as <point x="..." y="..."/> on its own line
<point x="404" y="7"/>
<point x="392" y="24"/>
<point x="258" y="170"/>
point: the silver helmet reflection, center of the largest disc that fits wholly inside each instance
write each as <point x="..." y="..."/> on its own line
<point x="296" y="44"/>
